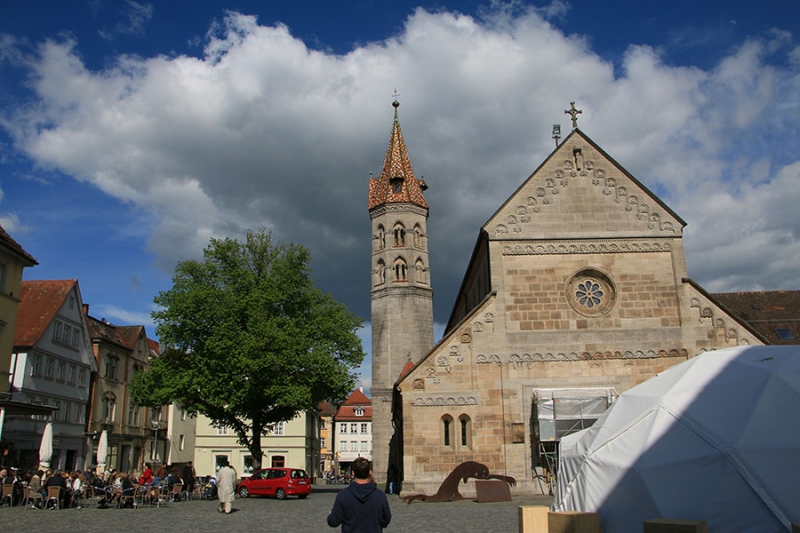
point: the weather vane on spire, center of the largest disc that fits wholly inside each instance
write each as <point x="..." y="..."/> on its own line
<point x="574" y="114"/>
<point x="395" y="104"/>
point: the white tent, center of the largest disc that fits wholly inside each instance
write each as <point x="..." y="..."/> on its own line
<point x="715" y="438"/>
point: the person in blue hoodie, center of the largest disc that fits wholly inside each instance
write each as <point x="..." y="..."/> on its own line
<point x="361" y="507"/>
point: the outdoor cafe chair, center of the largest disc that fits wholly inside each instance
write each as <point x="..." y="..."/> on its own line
<point x="31" y="498"/>
<point x="8" y="495"/>
<point x="54" y="495"/>
<point x="176" y="493"/>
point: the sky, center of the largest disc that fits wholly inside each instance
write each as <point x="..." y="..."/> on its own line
<point x="133" y="132"/>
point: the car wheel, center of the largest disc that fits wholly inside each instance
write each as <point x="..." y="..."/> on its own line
<point x="302" y="496"/>
<point x="243" y="492"/>
<point x="280" y="494"/>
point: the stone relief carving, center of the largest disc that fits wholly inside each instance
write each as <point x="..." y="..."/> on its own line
<point x="488" y="317"/>
<point x="445" y="401"/>
<point x="581" y="247"/>
<point x="419" y="384"/>
<point x="466" y="338"/>
<point x="477" y="327"/>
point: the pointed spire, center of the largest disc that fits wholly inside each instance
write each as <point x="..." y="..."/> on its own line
<point x="397" y="183"/>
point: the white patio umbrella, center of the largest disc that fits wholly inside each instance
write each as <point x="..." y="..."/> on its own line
<point x="46" y="447"/>
<point x="102" y="451"/>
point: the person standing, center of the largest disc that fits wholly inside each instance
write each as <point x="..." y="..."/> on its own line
<point x="226" y="485"/>
<point x="188" y="475"/>
<point x="361" y="507"/>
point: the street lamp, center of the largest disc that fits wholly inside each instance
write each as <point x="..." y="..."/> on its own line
<point x="156" y="425"/>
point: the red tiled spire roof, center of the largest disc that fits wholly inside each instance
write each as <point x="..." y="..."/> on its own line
<point x="357" y="398"/>
<point x="40" y="300"/>
<point x="396" y="166"/>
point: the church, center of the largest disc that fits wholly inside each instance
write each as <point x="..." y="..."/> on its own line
<point x="576" y="291"/>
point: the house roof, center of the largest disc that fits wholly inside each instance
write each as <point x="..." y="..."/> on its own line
<point x="40" y="300"/>
<point x="396" y="165"/>
<point x="130" y="335"/>
<point x="101" y="330"/>
<point x="14" y="247"/>
<point x="356" y="400"/>
<point x="768" y="312"/>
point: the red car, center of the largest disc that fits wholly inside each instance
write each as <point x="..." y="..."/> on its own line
<point x="278" y="482"/>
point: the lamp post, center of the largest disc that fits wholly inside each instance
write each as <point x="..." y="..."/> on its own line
<point x="156" y="425"/>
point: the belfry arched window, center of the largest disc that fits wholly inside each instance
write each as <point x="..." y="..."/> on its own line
<point x="380" y="238"/>
<point x="419" y="238"/>
<point x="399" y="235"/>
<point x="420" y="272"/>
<point x="380" y="272"/>
<point x="400" y="270"/>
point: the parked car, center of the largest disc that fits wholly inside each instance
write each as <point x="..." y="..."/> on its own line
<point x="278" y="482"/>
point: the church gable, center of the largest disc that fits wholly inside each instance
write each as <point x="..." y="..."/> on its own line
<point x="580" y="192"/>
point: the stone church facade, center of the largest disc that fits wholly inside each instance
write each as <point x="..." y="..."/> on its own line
<point x="576" y="291"/>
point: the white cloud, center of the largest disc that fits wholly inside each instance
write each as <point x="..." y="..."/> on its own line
<point x="264" y="132"/>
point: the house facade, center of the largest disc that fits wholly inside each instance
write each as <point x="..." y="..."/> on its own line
<point x="286" y="444"/>
<point x="120" y="352"/>
<point x="52" y="363"/>
<point x="353" y="430"/>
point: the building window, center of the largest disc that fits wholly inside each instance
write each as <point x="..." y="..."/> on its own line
<point x="82" y="377"/>
<point x="48" y="368"/>
<point x="359" y="411"/>
<point x="57" y="414"/>
<point x="400" y="270"/>
<point x="75" y="337"/>
<point x="322" y="424"/>
<point x="183" y="414"/>
<point x="67" y="334"/>
<point x="364" y="427"/>
<point x="343" y="428"/>
<point x="354" y="446"/>
<point x="322" y="443"/>
<point x="222" y="430"/>
<point x="343" y="445"/>
<point x="133" y="415"/>
<point x="399" y="235"/>
<point x="248" y="466"/>
<point x="381" y="244"/>
<point x="57" y="331"/>
<point x="181" y="442"/>
<point x="447" y="430"/>
<point x="276" y="429"/>
<point x="397" y="185"/>
<point x="278" y="461"/>
<point x="364" y="446"/>
<point x="73" y="370"/>
<point x="109" y="406"/>
<point x="784" y="334"/>
<point x="62" y="371"/>
<point x="111" y="366"/>
<point x="465" y="427"/>
<point x="36" y="366"/>
<point x="591" y="292"/>
<point x="68" y="412"/>
<point x="353" y="428"/>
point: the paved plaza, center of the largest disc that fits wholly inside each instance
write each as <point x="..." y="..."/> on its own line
<point x="270" y="515"/>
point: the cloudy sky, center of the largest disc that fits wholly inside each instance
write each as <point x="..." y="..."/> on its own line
<point x="132" y="132"/>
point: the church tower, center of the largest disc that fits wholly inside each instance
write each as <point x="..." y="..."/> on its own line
<point x="402" y="297"/>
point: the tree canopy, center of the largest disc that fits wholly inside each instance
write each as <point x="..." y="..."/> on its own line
<point x="250" y="340"/>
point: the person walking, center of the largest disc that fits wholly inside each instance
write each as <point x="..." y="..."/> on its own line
<point x="361" y="507"/>
<point x="226" y="485"/>
<point x="188" y="475"/>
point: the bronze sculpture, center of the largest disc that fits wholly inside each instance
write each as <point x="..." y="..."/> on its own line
<point x="448" y="490"/>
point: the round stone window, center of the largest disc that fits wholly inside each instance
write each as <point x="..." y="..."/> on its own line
<point x="591" y="292"/>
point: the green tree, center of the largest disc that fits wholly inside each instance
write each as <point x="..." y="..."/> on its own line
<point x="251" y="341"/>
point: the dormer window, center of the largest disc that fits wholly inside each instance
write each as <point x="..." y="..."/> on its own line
<point x="359" y="411"/>
<point x="397" y="185"/>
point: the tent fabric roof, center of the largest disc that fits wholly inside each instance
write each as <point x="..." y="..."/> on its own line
<point x="715" y="438"/>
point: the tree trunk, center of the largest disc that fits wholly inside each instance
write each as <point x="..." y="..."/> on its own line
<point x="255" y="445"/>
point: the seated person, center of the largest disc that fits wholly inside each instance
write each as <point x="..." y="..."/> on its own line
<point x="126" y="488"/>
<point x="57" y="480"/>
<point x="174" y="479"/>
<point x="154" y="487"/>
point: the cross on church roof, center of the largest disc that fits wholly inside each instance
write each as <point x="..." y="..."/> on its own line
<point x="574" y="114"/>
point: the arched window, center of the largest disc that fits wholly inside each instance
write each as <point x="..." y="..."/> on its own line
<point x="397" y="185"/>
<point x="380" y="273"/>
<point x="465" y="431"/>
<point x="380" y="238"/>
<point x="419" y="239"/>
<point x="399" y="235"/>
<point x="448" y="429"/>
<point x="400" y="270"/>
<point x="420" y="272"/>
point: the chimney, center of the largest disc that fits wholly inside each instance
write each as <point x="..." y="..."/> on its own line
<point x="86" y="309"/>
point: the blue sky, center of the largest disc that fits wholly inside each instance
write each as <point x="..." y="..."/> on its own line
<point x="132" y="132"/>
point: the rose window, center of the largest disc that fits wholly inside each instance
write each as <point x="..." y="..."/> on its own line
<point x="589" y="293"/>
